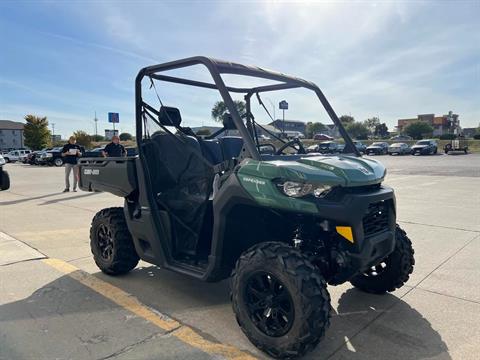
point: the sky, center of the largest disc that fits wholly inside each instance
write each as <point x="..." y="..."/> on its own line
<point x="68" y="60"/>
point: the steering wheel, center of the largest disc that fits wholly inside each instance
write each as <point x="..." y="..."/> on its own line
<point x="300" y="149"/>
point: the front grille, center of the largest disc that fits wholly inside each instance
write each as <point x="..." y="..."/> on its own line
<point x="376" y="219"/>
<point x="337" y="192"/>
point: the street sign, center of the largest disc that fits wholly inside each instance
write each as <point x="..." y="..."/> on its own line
<point x="113" y="117"/>
<point x="283" y="105"/>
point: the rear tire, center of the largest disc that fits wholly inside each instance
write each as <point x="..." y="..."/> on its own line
<point x="280" y="300"/>
<point x="4" y="181"/>
<point x="111" y="243"/>
<point x="393" y="272"/>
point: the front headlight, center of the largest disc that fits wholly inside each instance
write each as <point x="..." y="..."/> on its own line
<point x="296" y="189"/>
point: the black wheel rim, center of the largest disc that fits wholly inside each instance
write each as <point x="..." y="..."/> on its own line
<point x="376" y="270"/>
<point x="105" y="242"/>
<point x="269" y="304"/>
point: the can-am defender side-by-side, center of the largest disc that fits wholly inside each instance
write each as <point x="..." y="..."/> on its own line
<point x="282" y="223"/>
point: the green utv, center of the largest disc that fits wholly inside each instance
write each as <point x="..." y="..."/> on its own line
<point x="280" y="222"/>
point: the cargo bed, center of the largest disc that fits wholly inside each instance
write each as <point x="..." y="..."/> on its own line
<point x="116" y="175"/>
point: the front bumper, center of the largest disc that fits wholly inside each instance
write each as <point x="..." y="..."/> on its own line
<point x="422" y="151"/>
<point x="372" y="217"/>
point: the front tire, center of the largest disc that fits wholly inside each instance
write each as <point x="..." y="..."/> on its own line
<point x="111" y="243"/>
<point x="4" y="181"/>
<point x="58" y="162"/>
<point x="393" y="272"/>
<point x="280" y="300"/>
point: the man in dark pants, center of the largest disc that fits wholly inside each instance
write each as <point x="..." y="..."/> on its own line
<point x="114" y="149"/>
<point x="70" y="153"/>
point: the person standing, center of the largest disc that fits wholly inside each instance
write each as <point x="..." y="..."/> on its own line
<point x="70" y="153"/>
<point x="114" y="149"/>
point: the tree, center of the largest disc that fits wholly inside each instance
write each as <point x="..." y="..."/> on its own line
<point x="372" y="123"/>
<point x="83" y="138"/>
<point x="97" y="138"/>
<point x="357" y="130"/>
<point x="314" y="128"/>
<point x="381" y="130"/>
<point x="346" y="119"/>
<point x="418" y="129"/>
<point x="36" y="133"/>
<point x="125" y="136"/>
<point x="220" y="109"/>
<point x="203" y="132"/>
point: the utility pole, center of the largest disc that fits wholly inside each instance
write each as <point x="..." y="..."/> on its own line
<point x="96" y="121"/>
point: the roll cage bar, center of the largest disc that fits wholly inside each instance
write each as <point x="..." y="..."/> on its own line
<point x="218" y="67"/>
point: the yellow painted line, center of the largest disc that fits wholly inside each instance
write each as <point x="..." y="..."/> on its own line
<point x="132" y="304"/>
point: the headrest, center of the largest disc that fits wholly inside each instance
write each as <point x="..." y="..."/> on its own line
<point x="169" y="116"/>
<point x="228" y="123"/>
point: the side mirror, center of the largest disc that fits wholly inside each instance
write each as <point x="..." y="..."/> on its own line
<point x="169" y="116"/>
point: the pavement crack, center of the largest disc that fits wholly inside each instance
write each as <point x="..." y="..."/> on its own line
<point x="447" y="295"/>
<point x="131" y="346"/>
<point x="439" y="226"/>
<point x="25" y="260"/>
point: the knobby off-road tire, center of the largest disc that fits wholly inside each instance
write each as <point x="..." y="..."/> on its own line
<point x="111" y="243"/>
<point x="300" y="295"/>
<point x="393" y="272"/>
<point x="4" y="181"/>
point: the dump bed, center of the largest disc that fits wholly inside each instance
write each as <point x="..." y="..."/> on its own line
<point x="116" y="175"/>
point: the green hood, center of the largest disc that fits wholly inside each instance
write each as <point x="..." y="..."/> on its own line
<point x="323" y="169"/>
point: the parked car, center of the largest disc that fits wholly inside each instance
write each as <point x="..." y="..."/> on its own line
<point x="322" y="137"/>
<point x="425" y="147"/>
<point x="4" y="178"/>
<point x="97" y="152"/>
<point x="401" y="138"/>
<point x="360" y="146"/>
<point x="53" y="157"/>
<point x="456" y="145"/>
<point x="131" y="151"/>
<point x="328" y="147"/>
<point x="399" y="149"/>
<point x="377" y="148"/>
<point x="32" y="158"/>
<point x="16" y="155"/>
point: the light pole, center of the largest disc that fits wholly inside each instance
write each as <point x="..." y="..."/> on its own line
<point x="96" y="121"/>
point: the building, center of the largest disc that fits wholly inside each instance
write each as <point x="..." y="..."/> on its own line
<point x="11" y="135"/>
<point x="469" y="132"/>
<point x="290" y="126"/>
<point x="109" y="133"/>
<point x="445" y="124"/>
<point x="56" y="139"/>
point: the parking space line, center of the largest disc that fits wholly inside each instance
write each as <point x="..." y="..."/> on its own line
<point x="132" y="304"/>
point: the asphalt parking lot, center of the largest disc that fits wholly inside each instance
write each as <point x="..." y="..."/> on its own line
<point x="54" y="302"/>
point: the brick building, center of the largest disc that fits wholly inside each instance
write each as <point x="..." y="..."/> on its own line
<point x="445" y="124"/>
<point x="11" y="135"/>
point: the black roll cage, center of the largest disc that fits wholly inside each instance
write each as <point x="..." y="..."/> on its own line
<point x="218" y="67"/>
